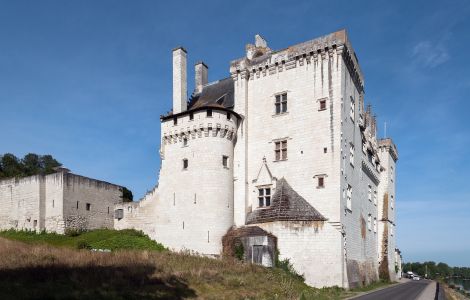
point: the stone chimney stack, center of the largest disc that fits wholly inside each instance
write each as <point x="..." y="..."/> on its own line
<point x="201" y="73"/>
<point x="180" y="82"/>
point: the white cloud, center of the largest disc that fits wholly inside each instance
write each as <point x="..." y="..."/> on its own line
<point x="429" y="54"/>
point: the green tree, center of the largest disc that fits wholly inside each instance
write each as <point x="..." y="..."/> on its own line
<point x="48" y="163"/>
<point x="127" y="195"/>
<point x="31" y="164"/>
<point x="11" y="166"/>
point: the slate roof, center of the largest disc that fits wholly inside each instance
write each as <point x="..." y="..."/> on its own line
<point x="216" y="94"/>
<point x="286" y="205"/>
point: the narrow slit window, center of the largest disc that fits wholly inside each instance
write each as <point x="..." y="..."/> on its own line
<point x="175" y="121"/>
<point x="88" y="206"/>
<point x="191" y="116"/>
<point x="185" y="164"/>
<point x="322" y="104"/>
<point x="209" y="112"/>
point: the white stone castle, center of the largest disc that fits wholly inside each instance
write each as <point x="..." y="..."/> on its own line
<point x="281" y="159"/>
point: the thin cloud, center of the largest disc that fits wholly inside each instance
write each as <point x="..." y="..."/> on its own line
<point x="430" y="55"/>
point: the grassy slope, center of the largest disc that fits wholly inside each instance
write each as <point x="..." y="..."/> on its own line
<point x="35" y="270"/>
<point x="97" y="239"/>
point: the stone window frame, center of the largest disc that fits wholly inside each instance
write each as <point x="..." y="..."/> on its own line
<point x="88" y="206"/>
<point x="281" y="103"/>
<point x="351" y="154"/>
<point x="321" y="178"/>
<point x="322" y="104"/>
<point x="369" y="222"/>
<point x="349" y="192"/>
<point x="185" y="164"/>
<point x="280" y="149"/>
<point x="264" y="196"/>
<point x="369" y="192"/>
<point x="209" y="113"/>
<point x="225" y="161"/>
<point x="352" y="112"/>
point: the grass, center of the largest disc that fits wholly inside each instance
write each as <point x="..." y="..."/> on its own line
<point x="97" y="239"/>
<point x="49" y="266"/>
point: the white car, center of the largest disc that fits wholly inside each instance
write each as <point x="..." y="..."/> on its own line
<point x="416" y="277"/>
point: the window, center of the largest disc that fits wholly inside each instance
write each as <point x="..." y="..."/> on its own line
<point x="322" y="103"/>
<point x="175" y="121"/>
<point x="185" y="164"/>
<point x="321" y="182"/>
<point x="375" y="198"/>
<point x="325" y="150"/>
<point x="119" y="213"/>
<point x="209" y="112"/>
<point x="391" y="202"/>
<point x="191" y="116"/>
<point x="225" y="161"/>
<point x="369" y="193"/>
<point x="88" y="206"/>
<point x="53" y="203"/>
<point x="351" y="154"/>
<point x="35" y="223"/>
<point x="353" y="108"/>
<point x="369" y="222"/>
<point x="281" y="103"/>
<point x="280" y="150"/>
<point x="375" y="224"/>
<point x="77" y="204"/>
<point x="349" y="197"/>
<point x="264" y="197"/>
<point x="185" y="142"/>
<point x="229" y="116"/>
<point x="108" y="210"/>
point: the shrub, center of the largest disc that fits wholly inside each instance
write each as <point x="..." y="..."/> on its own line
<point x="83" y="245"/>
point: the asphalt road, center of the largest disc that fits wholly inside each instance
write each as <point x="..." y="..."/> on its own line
<point x="404" y="291"/>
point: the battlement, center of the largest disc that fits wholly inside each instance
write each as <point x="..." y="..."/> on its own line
<point x="389" y="145"/>
<point x="202" y="123"/>
<point x="272" y="62"/>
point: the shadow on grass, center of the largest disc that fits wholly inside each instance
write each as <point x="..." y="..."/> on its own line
<point x="90" y="282"/>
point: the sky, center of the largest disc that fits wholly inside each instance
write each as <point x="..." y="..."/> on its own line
<point x="87" y="81"/>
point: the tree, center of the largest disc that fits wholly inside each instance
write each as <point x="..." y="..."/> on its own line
<point x="31" y="164"/>
<point x="11" y="166"/>
<point x="48" y="163"/>
<point x="127" y="195"/>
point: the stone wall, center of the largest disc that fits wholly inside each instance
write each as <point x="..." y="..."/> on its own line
<point x="20" y="202"/>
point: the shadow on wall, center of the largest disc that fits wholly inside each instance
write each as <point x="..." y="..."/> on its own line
<point x="92" y="282"/>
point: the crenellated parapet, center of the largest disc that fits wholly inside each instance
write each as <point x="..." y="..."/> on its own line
<point x="327" y="47"/>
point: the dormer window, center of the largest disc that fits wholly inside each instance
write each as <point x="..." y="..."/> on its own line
<point x="264" y="196"/>
<point x="281" y="103"/>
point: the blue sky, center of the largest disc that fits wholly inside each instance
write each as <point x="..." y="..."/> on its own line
<point x="86" y="81"/>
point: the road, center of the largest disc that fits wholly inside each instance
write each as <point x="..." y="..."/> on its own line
<point x="405" y="291"/>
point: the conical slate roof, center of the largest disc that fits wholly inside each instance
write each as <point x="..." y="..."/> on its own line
<point x="286" y="205"/>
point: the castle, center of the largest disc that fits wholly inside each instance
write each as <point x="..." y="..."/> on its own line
<point x="57" y="202"/>
<point x="281" y="159"/>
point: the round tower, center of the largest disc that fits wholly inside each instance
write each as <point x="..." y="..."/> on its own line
<point x="195" y="207"/>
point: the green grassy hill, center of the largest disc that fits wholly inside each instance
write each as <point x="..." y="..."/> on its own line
<point x="49" y="266"/>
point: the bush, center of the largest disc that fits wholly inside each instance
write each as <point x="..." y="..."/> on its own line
<point x="83" y="245"/>
<point x="287" y="266"/>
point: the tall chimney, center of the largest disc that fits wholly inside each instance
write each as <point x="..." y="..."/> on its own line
<point x="201" y="73"/>
<point x="180" y="83"/>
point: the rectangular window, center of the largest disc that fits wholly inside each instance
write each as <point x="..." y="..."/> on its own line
<point x="88" y="206"/>
<point x="391" y="202"/>
<point x="191" y="116"/>
<point x="349" y="197"/>
<point x="369" y="222"/>
<point x="119" y="214"/>
<point x="375" y="198"/>
<point x="375" y="224"/>
<point x="264" y="197"/>
<point x="353" y="109"/>
<point x="209" y="112"/>
<point x="280" y="150"/>
<point x="229" y="116"/>
<point x="322" y="104"/>
<point x="369" y="193"/>
<point x="321" y="182"/>
<point x="225" y="161"/>
<point x="175" y="121"/>
<point x="351" y="154"/>
<point x="185" y="142"/>
<point x="281" y="103"/>
<point x="77" y="204"/>
<point x="185" y="164"/>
